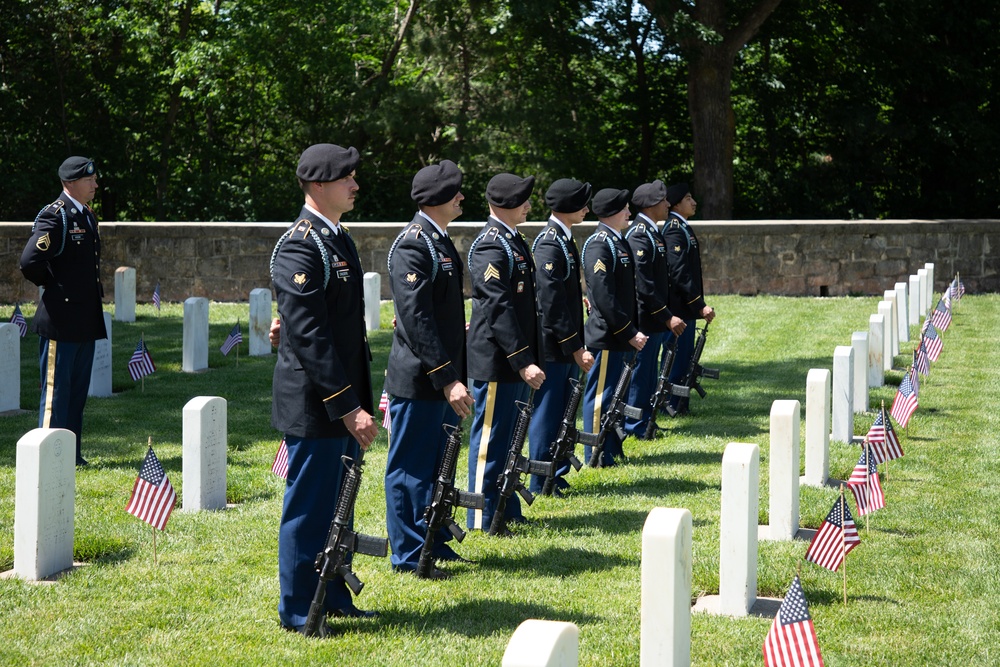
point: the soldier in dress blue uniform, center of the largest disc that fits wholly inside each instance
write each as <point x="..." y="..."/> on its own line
<point x="504" y="339"/>
<point x="427" y="369"/>
<point x="322" y="393"/>
<point x="63" y="255"/>
<point x="612" y="330"/>
<point x="560" y="303"/>
<point x="686" y="296"/>
<point x="652" y="285"/>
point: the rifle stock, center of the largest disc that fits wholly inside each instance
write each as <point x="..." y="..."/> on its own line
<point x="660" y="399"/>
<point x="341" y="542"/>
<point x="562" y="447"/>
<point x="616" y="413"/>
<point x="696" y="371"/>
<point x="515" y="466"/>
<point x="444" y="499"/>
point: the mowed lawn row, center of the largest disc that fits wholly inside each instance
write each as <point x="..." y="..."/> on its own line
<point x="924" y="585"/>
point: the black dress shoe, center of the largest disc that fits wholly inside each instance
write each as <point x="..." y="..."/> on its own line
<point x="323" y="632"/>
<point x="354" y="612"/>
<point x="80" y="462"/>
<point x="455" y="558"/>
<point x="436" y="574"/>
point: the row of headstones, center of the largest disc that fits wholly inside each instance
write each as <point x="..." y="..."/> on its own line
<point x="125" y="303"/>
<point x="45" y="484"/>
<point x="666" y="551"/>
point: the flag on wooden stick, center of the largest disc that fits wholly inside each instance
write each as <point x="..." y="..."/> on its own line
<point x="280" y="465"/>
<point x="18" y="319"/>
<point x="835" y="538"/>
<point x="865" y="485"/>
<point x="905" y="402"/>
<point x="791" y="641"/>
<point x="153" y="497"/>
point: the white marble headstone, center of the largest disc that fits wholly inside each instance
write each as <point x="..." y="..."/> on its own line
<point x="892" y="328"/>
<point x="783" y="483"/>
<point x="885" y="310"/>
<point x="817" y="427"/>
<point x="738" y="529"/>
<point x="205" y="447"/>
<point x="195" y="345"/>
<point x="925" y="291"/>
<point x="10" y="367"/>
<point x="125" y="294"/>
<point x="665" y="633"/>
<point x="843" y="394"/>
<point x="45" y="489"/>
<point x="903" y="306"/>
<point x="876" y="350"/>
<point x="859" y="341"/>
<point x="373" y="292"/>
<point x="537" y="643"/>
<point x="913" y="311"/>
<point x="930" y="285"/>
<point x="260" y="322"/>
<point x="100" y="372"/>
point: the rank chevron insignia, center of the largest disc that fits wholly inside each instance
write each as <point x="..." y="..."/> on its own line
<point x="599" y="266"/>
<point x="491" y="272"/>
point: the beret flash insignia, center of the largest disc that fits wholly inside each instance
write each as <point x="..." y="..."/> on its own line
<point x="491" y="272"/>
<point x="599" y="266"/>
<point x="43" y="242"/>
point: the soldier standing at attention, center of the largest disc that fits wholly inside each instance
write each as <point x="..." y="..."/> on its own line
<point x="504" y="340"/>
<point x="560" y="303"/>
<point x="426" y="371"/>
<point x="652" y="285"/>
<point x="611" y="330"/>
<point x="686" y="296"/>
<point x="63" y="255"/>
<point x="322" y="393"/>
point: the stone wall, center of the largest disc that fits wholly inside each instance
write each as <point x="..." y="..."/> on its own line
<point x="224" y="261"/>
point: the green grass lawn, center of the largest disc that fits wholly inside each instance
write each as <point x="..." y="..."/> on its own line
<point x="924" y="585"/>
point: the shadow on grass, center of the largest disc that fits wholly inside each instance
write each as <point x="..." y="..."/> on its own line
<point x="609" y="521"/>
<point x="676" y="458"/>
<point x="476" y="618"/>
<point x="555" y="562"/>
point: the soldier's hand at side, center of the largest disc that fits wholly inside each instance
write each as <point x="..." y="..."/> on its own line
<point x="533" y="375"/>
<point x="708" y="313"/>
<point x="676" y="325"/>
<point x="586" y="304"/>
<point x="274" y="335"/>
<point x="584" y="359"/>
<point x="458" y="397"/>
<point x="638" y="341"/>
<point x="362" y="427"/>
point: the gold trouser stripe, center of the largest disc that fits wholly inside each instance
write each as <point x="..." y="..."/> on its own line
<point x="337" y="394"/>
<point x="482" y="448"/>
<point x="50" y="383"/>
<point x="602" y="377"/>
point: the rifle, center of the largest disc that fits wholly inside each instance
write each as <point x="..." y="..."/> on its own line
<point x="444" y="500"/>
<point x="696" y="371"/>
<point x="334" y="560"/>
<point x="664" y="390"/>
<point x="562" y="447"/>
<point x="616" y="413"/>
<point x="516" y="465"/>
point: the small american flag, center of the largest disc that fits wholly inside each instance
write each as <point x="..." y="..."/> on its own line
<point x="156" y="296"/>
<point x="914" y="380"/>
<point x="932" y="342"/>
<point x="153" y="497"/>
<point x="141" y="364"/>
<point x="383" y="405"/>
<point x="921" y="360"/>
<point x="234" y="338"/>
<point x="865" y="485"/>
<point x="905" y="403"/>
<point x="884" y="447"/>
<point x="791" y="641"/>
<point x="835" y="538"/>
<point x="941" y="317"/>
<point x="891" y="439"/>
<point x="280" y="465"/>
<point x="18" y="319"/>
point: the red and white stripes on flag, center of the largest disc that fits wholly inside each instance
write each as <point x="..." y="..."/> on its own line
<point x="932" y="342"/>
<point x="941" y="317"/>
<point x="882" y="438"/>
<point x="153" y="497"/>
<point x="791" y="641"/>
<point x="18" y="319"/>
<point x="905" y="402"/>
<point x="141" y="363"/>
<point x="865" y="485"/>
<point x="234" y="338"/>
<point x="383" y="405"/>
<point x="280" y="465"/>
<point x="835" y="538"/>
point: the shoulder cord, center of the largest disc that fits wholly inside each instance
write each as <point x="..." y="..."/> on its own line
<point x="506" y="247"/>
<point x="65" y="226"/>
<point x="565" y="250"/>
<point x="319" y="245"/>
<point x="435" y="258"/>
<point x="611" y="244"/>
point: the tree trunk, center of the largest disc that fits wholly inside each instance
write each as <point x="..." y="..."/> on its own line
<point x="713" y="130"/>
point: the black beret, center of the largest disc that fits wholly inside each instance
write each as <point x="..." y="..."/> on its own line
<point x="76" y="167"/>
<point x="322" y="163"/>
<point x="436" y="184"/>
<point x="610" y="201"/>
<point x="508" y="190"/>
<point x="649" y="194"/>
<point x="567" y="195"/>
<point x="676" y="192"/>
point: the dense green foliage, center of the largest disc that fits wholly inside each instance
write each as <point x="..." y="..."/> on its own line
<point x="197" y="110"/>
<point x="924" y="585"/>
